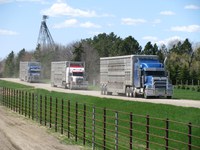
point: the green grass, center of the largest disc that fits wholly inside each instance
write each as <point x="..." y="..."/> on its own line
<point x="186" y="94"/>
<point x="139" y="109"/>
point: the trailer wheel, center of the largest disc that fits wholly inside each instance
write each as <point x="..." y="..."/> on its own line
<point x="145" y="95"/>
<point x="127" y="91"/>
<point x="169" y="97"/>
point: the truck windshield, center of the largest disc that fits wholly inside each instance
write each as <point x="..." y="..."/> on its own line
<point x="80" y="74"/>
<point x="155" y="73"/>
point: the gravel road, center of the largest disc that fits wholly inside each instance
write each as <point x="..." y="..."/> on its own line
<point x="180" y="102"/>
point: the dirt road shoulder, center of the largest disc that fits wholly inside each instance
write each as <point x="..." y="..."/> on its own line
<point x="19" y="133"/>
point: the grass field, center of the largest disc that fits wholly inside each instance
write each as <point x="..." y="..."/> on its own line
<point x="179" y="114"/>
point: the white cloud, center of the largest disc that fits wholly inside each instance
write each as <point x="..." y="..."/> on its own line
<point x="63" y="9"/>
<point x="167" y="13"/>
<point x="150" y="38"/>
<point x="156" y="21"/>
<point x="5" y="1"/>
<point x="89" y="25"/>
<point x="7" y="32"/>
<point x="169" y="41"/>
<point x="131" y="21"/>
<point x="190" y="28"/>
<point x="66" y="23"/>
<point x="192" y="7"/>
<point x="75" y="23"/>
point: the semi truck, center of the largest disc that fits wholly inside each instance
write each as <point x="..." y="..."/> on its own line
<point x="68" y="74"/>
<point x="134" y="76"/>
<point x="30" y="71"/>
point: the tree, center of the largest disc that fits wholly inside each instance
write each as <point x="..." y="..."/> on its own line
<point x="78" y="51"/>
<point x="149" y="49"/>
<point x="19" y="58"/>
<point x="9" y="66"/>
<point x="129" y="46"/>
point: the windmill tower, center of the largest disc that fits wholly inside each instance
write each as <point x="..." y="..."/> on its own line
<point x="45" y="39"/>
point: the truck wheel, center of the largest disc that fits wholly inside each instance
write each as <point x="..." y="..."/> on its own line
<point x="169" y="97"/>
<point x="145" y="95"/>
<point x="134" y="93"/>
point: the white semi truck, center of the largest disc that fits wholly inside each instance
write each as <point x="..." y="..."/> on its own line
<point x="134" y="75"/>
<point x="30" y="71"/>
<point x="68" y="74"/>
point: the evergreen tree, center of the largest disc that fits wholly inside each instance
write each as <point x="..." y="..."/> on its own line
<point x="9" y="66"/>
<point x="78" y="51"/>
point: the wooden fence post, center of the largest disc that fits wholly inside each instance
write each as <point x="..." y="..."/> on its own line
<point x="40" y="109"/>
<point x="45" y="110"/>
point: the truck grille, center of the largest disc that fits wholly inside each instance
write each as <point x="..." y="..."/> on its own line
<point x="79" y="81"/>
<point x="160" y="83"/>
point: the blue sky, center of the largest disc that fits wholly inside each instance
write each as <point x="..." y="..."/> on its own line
<point x="158" y="21"/>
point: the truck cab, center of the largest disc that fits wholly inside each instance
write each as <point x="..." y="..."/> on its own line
<point x="151" y="79"/>
<point x="34" y="72"/>
<point x="75" y="75"/>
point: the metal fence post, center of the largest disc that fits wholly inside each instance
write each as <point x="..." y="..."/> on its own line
<point x="76" y="123"/>
<point x="45" y="110"/>
<point x="33" y="110"/>
<point x="22" y="103"/>
<point x="62" y="116"/>
<point x="25" y="104"/>
<point x="68" y="132"/>
<point x="84" y="124"/>
<point x="14" y="99"/>
<point x="93" y="128"/>
<point x="116" y="130"/>
<point x="20" y="98"/>
<point x="147" y="132"/>
<point x="131" y="131"/>
<point x="167" y="134"/>
<point x="56" y="114"/>
<point x="40" y="109"/>
<point x="104" y="128"/>
<point x="29" y="105"/>
<point x="189" y="136"/>
<point x="17" y="97"/>
<point x="50" y="115"/>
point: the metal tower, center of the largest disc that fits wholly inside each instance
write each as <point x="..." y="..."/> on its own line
<point x="45" y="39"/>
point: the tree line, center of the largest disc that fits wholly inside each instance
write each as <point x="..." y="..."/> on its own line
<point x="183" y="59"/>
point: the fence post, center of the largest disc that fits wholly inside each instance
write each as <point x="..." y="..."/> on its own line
<point x="40" y="109"/>
<point x="131" y="131"/>
<point x="189" y="136"/>
<point x="167" y="134"/>
<point x="22" y="103"/>
<point x="14" y="94"/>
<point x="68" y="132"/>
<point x="62" y="115"/>
<point x="116" y="130"/>
<point x="56" y="114"/>
<point x="11" y="99"/>
<point x="16" y="109"/>
<point x="29" y="105"/>
<point x="84" y="124"/>
<point x="104" y="128"/>
<point x="25" y="104"/>
<point x="45" y="110"/>
<point x="76" y="123"/>
<point x="93" y="128"/>
<point x="50" y="115"/>
<point x="147" y="132"/>
<point x="33" y="104"/>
